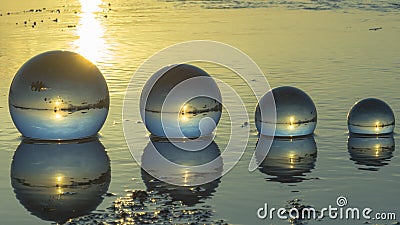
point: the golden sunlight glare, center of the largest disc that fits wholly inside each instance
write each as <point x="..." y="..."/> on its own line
<point x="377" y="126"/>
<point x="291" y="119"/>
<point x="90" y="31"/>
<point x="57" y="115"/>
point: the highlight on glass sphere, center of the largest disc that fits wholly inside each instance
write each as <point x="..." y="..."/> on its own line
<point x="371" y="152"/>
<point x="296" y="114"/>
<point x="288" y="159"/>
<point x="371" y="116"/>
<point x="172" y="164"/>
<point x="181" y="101"/>
<point x="57" y="181"/>
<point x="58" y="95"/>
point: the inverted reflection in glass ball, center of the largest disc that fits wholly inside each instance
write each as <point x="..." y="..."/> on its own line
<point x="58" y="181"/>
<point x="181" y="101"/>
<point x="372" y="152"/>
<point x="169" y="163"/>
<point x="58" y="95"/>
<point x="371" y="116"/>
<point x="296" y="114"/>
<point x="288" y="159"/>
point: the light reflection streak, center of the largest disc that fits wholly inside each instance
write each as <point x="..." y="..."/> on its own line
<point x="91" y="43"/>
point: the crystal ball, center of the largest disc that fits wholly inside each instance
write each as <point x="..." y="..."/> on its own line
<point x="59" y="181"/>
<point x="296" y="114"/>
<point x="181" y="101"/>
<point x="58" y="95"/>
<point x="371" y="116"/>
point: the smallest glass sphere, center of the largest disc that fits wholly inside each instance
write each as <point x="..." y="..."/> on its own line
<point x="296" y="114"/>
<point x="371" y="116"/>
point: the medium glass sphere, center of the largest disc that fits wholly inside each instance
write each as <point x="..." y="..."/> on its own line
<point x="287" y="159"/>
<point x="58" y="95"/>
<point x="181" y="101"/>
<point x="59" y="181"/>
<point x="370" y="151"/>
<point x="371" y="116"/>
<point x="296" y="114"/>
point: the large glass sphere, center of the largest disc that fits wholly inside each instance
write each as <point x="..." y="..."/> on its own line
<point x="296" y="114"/>
<point x="181" y="101"/>
<point x="371" y="152"/>
<point x="58" y="95"/>
<point x="60" y="181"/>
<point x="288" y="159"/>
<point x="371" y="116"/>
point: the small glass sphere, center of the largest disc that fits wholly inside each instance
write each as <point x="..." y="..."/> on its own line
<point x="373" y="152"/>
<point x="59" y="181"/>
<point x="288" y="159"/>
<point x="58" y="95"/>
<point x="371" y="116"/>
<point x="172" y="164"/>
<point x="296" y="114"/>
<point x="181" y="101"/>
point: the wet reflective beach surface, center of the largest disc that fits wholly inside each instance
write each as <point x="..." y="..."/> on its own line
<point x="338" y="52"/>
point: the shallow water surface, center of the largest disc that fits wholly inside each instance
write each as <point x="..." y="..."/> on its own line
<point x="338" y="55"/>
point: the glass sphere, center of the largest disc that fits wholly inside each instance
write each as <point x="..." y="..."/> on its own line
<point x="371" y="116"/>
<point x="58" y="95"/>
<point x="287" y="159"/>
<point x="60" y="181"/>
<point x="296" y="114"/>
<point x="373" y="152"/>
<point x="180" y="101"/>
<point x="172" y="164"/>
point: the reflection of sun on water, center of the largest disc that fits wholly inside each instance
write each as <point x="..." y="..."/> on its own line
<point x="59" y="184"/>
<point x="90" y="6"/>
<point x="377" y="148"/>
<point x="292" y="160"/>
<point x="90" y="31"/>
<point x="59" y="191"/>
<point x="185" y="178"/>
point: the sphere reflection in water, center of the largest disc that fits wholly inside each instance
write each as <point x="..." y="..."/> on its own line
<point x="181" y="101"/>
<point x="371" y="116"/>
<point x="373" y="152"/>
<point x="288" y="159"/>
<point x="188" y="195"/>
<point x="295" y="111"/>
<point x="171" y="164"/>
<point x="59" y="181"/>
<point x="58" y="95"/>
